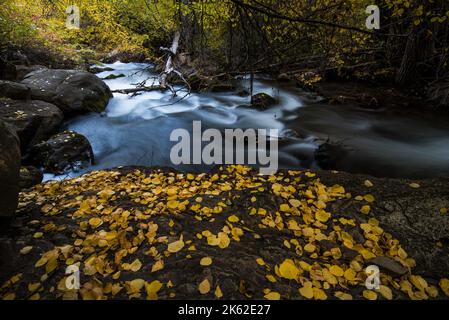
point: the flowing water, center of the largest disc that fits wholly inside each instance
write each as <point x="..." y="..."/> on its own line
<point x="136" y="130"/>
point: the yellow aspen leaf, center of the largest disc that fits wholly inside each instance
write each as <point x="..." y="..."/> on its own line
<point x="288" y="270"/>
<point x="152" y="289"/>
<point x="350" y="274"/>
<point x="414" y="185"/>
<point x="432" y="291"/>
<point x="176" y="246"/>
<point x="309" y="247"/>
<point x="136" y="265"/>
<point x="342" y="295"/>
<point x="35" y="296"/>
<point x="42" y="261"/>
<point x="443" y="210"/>
<point x="224" y="240"/>
<point x="336" y="271"/>
<point x="233" y="219"/>
<point x="218" y="292"/>
<point x="319" y="294"/>
<point x="306" y="292"/>
<point x="204" y="287"/>
<point x="136" y="285"/>
<point x="206" y="261"/>
<point x="270" y="278"/>
<point x="9" y="296"/>
<point x="95" y="222"/>
<point x="295" y="203"/>
<point x="26" y="250"/>
<point x="365" y="209"/>
<point x="51" y="265"/>
<point x="370" y="295"/>
<point x="260" y="262"/>
<point x="368" y="184"/>
<point x="386" y="292"/>
<point x="369" y="198"/>
<point x="284" y="208"/>
<point x="444" y="285"/>
<point x="419" y="282"/>
<point x="172" y="204"/>
<point x="33" y="286"/>
<point x="322" y="216"/>
<point x="273" y="296"/>
<point x="38" y="235"/>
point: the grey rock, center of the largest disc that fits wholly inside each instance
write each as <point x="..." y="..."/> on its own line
<point x="34" y="120"/>
<point x="262" y="101"/>
<point x="70" y="90"/>
<point x="63" y="152"/>
<point x="14" y="90"/>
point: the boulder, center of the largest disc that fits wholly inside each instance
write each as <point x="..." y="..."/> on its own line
<point x="262" y="101"/>
<point x="34" y="120"/>
<point x="70" y="90"/>
<point x="114" y="76"/>
<point x="63" y="152"/>
<point x="29" y="177"/>
<point x="96" y="69"/>
<point x="14" y="90"/>
<point x="330" y="155"/>
<point x="9" y="171"/>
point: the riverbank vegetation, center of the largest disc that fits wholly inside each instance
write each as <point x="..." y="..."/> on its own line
<point x="328" y="36"/>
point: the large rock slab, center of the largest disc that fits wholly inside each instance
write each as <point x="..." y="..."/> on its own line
<point x="9" y="171"/>
<point x="34" y="121"/>
<point x="71" y="90"/>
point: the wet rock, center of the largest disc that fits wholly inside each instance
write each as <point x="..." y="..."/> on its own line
<point x="9" y="171"/>
<point x="70" y="90"/>
<point x="14" y="90"/>
<point x="29" y="177"/>
<point x="330" y="155"/>
<point x="388" y="265"/>
<point x="34" y="120"/>
<point x="308" y="80"/>
<point x="262" y="101"/>
<point x="96" y="70"/>
<point x="284" y="77"/>
<point x="63" y="152"/>
<point x="114" y="76"/>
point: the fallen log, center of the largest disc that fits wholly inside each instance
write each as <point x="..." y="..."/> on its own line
<point x="140" y="89"/>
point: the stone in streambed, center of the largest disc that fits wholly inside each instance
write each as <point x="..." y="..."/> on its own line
<point x="113" y="76"/>
<point x="262" y="101"/>
<point x="63" y="152"/>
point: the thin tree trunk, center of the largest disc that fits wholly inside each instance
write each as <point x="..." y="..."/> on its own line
<point x="169" y="64"/>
